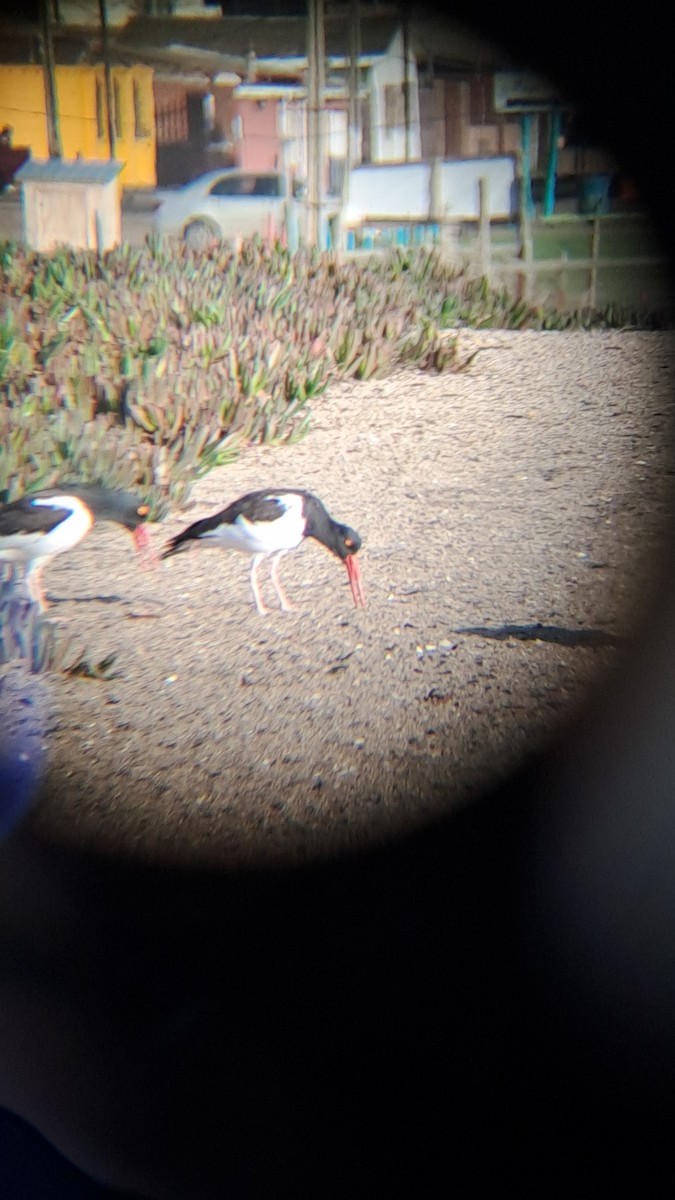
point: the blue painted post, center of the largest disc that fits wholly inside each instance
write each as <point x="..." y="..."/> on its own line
<point x="549" y="193"/>
<point x="351" y="239"/>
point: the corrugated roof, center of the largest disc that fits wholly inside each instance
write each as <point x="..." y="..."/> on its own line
<point x="58" y="170"/>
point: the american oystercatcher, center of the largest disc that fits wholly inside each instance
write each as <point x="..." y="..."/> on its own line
<point x="269" y="524"/>
<point x="43" y="524"/>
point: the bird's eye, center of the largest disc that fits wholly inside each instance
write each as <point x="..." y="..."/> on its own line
<point x="143" y="510"/>
<point x="349" y="543"/>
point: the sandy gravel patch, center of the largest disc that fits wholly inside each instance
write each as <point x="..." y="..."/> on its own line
<point x="511" y="519"/>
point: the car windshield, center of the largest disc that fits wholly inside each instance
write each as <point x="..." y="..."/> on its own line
<point x="247" y="185"/>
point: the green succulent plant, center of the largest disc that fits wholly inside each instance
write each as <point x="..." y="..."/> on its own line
<point x="145" y="367"/>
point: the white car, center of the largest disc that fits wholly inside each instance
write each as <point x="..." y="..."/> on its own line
<point x="231" y="204"/>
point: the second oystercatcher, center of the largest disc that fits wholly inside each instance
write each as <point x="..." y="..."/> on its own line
<point x="43" y="524"/>
<point x="269" y="524"/>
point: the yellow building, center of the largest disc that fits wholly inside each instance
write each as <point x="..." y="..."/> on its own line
<point x="81" y="99"/>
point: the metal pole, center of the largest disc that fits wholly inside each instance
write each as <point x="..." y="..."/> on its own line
<point x="51" y="102"/>
<point x="525" y="166"/>
<point x="103" y="11"/>
<point x="526" y="208"/>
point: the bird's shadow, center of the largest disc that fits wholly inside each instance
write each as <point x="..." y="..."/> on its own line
<point x="545" y="633"/>
<point x="85" y="599"/>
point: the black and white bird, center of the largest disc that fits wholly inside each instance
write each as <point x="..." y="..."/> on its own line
<point x="269" y="524"/>
<point x="41" y="525"/>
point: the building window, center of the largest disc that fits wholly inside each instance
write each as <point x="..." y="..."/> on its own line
<point x="100" y="110"/>
<point x="171" y="119"/>
<point x="117" y="108"/>
<point x="394" y="106"/>
<point x="140" y="123"/>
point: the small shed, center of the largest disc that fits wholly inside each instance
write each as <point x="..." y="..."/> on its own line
<point x="75" y="203"/>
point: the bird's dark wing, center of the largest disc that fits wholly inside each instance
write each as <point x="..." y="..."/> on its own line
<point x="24" y="517"/>
<point x="256" y="506"/>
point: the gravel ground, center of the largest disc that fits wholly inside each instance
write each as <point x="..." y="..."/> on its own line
<point x="511" y="518"/>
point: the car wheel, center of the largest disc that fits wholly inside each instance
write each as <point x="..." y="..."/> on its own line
<point x="199" y="236"/>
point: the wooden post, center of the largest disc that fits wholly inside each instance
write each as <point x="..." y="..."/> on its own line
<point x="435" y="190"/>
<point x="51" y="103"/>
<point x="109" y="104"/>
<point x="595" y="254"/>
<point x="484" y="235"/>
<point x="549" y="194"/>
<point x="316" y="53"/>
<point x="441" y="230"/>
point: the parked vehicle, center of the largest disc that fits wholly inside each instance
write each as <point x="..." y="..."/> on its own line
<point x="230" y="204"/>
<point x="11" y="158"/>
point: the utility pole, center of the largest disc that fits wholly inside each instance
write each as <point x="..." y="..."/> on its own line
<point x="51" y="104"/>
<point x="406" y="77"/>
<point x="316" y="67"/>
<point x="353" y="156"/>
<point x="103" y="12"/>
<point x="354" y="77"/>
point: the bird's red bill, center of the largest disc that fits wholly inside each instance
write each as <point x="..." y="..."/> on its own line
<point x="147" y="555"/>
<point x="355" y="581"/>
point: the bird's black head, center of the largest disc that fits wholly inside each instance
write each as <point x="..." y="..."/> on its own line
<point x="130" y="514"/>
<point x="347" y="541"/>
<point x="109" y="504"/>
<point x="339" y="539"/>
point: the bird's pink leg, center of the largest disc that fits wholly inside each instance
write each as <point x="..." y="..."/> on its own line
<point x="35" y="588"/>
<point x="285" y="602"/>
<point x="255" y="586"/>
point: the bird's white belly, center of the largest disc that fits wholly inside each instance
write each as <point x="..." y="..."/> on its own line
<point x="265" y="537"/>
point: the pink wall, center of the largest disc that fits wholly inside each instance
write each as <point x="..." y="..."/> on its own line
<point x="260" y="148"/>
